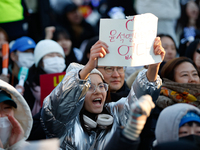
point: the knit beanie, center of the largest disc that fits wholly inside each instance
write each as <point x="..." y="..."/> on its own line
<point x="190" y="116"/>
<point x="191" y="49"/>
<point x="78" y="67"/>
<point x="45" y="47"/>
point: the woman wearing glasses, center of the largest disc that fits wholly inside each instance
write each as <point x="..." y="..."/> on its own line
<point x="77" y="110"/>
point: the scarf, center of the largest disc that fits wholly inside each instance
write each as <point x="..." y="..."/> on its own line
<point x="173" y="92"/>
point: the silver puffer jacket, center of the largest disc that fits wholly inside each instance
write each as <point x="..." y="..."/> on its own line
<point x="60" y="112"/>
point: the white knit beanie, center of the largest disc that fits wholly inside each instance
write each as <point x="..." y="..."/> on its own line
<point x="45" y="47"/>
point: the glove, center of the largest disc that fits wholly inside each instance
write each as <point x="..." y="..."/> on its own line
<point x="139" y="112"/>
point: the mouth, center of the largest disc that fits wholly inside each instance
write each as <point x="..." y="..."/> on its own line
<point x="97" y="102"/>
<point x="115" y="81"/>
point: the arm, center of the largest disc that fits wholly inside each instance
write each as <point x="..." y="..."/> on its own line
<point x="64" y="102"/>
<point x="148" y="81"/>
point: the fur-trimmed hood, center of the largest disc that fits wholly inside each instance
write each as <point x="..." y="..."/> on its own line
<point x="23" y="112"/>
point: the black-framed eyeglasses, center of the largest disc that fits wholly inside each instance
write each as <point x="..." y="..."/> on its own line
<point x="103" y="87"/>
<point x="110" y="70"/>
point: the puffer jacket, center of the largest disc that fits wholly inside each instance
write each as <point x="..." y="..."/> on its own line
<point x="22" y="113"/>
<point x="60" y="112"/>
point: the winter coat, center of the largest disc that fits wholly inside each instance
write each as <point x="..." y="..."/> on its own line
<point x="22" y="113"/>
<point x="167" y="127"/>
<point x="60" y="112"/>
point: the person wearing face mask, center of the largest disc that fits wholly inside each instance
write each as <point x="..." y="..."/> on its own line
<point x="181" y="80"/>
<point x="15" y="118"/>
<point x="21" y="55"/>
<point x="49" y="58"/>
<point x="179" y="122"/>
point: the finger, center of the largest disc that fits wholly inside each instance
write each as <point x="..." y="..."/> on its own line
<point x="157" y="42"/>
<point x="102" y="44"/>
<point x="16" y="125"/>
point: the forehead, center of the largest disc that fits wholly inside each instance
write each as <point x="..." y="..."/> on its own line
<point x="95" y="78"/>
<point x="184" y="66"/>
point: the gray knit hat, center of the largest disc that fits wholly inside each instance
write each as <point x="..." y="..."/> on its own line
<point x="79" y="67"/>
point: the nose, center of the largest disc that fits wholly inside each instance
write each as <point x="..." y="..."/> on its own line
<point x="115" y="73"/>
<point x="2" y="114"/>
<point x="97" y="90"/>
<point x="191" y="79"/>
<point x="192" y="131"/>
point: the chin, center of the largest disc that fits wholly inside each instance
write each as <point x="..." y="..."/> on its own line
<point x="97" y="111"/>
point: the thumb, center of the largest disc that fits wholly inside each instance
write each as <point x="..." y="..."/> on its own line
<point x="146" y="104"/>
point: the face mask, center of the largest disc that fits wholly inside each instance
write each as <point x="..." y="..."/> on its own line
<point x="25" y="59"/>
<point x="5" y="130"/>
<point x="54" y="64"/>
<point x="191" y="138"/>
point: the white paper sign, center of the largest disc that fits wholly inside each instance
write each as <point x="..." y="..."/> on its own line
<point x="130" y="40"/>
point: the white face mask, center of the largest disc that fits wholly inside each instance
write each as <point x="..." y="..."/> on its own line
<point x="5" y="130"/>
<point x="54" y="64"/>
<point x="25" y="59"/>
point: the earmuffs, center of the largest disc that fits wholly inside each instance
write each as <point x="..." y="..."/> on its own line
<point x="102" y="120"/>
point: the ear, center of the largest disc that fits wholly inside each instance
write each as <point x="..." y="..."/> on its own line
<point x="13" y="56"/>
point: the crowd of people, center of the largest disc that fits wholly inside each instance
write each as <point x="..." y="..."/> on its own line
<point x="151" y="107"/>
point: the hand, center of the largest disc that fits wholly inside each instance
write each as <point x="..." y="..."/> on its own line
<point x="98" y="50"/>
<point x="158" y="49"/>
<point x="143" y="106"/>
<point x="49" y="32"/>
<point x="20" y="89"/>
<point x="139" y="112"/>
<point x="153" y="68"/>
<point x="17" y="132"/>
<point x="5" y="77"/>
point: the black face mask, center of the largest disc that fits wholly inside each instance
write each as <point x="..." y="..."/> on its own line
<point x="195" y="139"/>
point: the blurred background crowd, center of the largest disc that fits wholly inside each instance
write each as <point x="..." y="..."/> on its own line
<point x="45" y="36"/>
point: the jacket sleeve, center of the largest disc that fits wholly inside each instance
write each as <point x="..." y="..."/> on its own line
<point x="142" y="86"/>
<point x="64" y="103"/>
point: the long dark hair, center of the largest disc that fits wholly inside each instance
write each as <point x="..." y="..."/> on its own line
<point x="184" y="19"/>
<point x="167" y="70"/>
<point x="59" y="33"/>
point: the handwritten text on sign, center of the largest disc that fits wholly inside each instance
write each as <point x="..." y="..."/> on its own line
<point x="130" y="40"/>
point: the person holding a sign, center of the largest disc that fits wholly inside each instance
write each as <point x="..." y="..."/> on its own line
<point x="78" y="107"/>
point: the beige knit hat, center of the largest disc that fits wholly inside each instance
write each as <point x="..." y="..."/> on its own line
<point x="79" y="67"/>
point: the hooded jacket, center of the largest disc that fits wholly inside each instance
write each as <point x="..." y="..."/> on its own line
<point x="22" y="113"/>
<point x="167" y="127"/>
<point x="60" y="112"/>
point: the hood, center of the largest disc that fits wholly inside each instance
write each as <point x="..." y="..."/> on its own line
<point x="23" y="112"/>
<point x="167" y="127"/>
